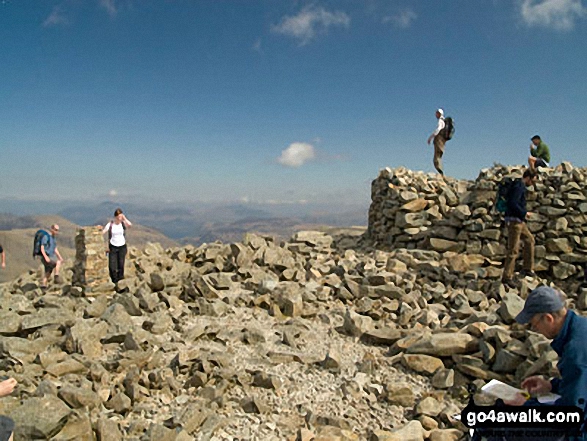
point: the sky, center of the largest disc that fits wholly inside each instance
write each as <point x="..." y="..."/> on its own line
<point x="274" y="101"/>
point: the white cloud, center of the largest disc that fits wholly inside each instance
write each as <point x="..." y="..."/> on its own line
<point x="56" y="18"/>
<point x="402" y="20"/>
<point x="109" y="6"/>
<point x="112" y="193"/>
<point x="297" y="154"/>
<point x="557" y="14"/>
<point x="310" y="21"/>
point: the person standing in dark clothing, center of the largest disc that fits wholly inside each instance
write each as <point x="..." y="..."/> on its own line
<point x="515" y="218"/>
<point x="117" y="244"/>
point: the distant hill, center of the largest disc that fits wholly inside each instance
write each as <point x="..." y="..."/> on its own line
<point x="209" y="222"/>
<point x="18" y="242"/>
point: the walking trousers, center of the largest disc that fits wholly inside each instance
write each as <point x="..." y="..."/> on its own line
<point x="517" y="231"/>
<point x="116" y="262"/>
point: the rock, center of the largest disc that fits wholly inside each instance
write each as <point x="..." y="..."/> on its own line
<point x="70" y="366"/>
<point x="289" y="299"/>
<point x="119" y="403"/>
<point x="442" y="245"/>
<point x="506" y="361"/>
<point x="443" y="379"/>
<point x="40" y="418"/>
<point x="329" y="433"/>
<point x="444" y="344"/>
<point x="356" y="324"/>
<point x="77" y="428"/>
<point x="413" y="431"/>
<point x="46" y="317"/>
<point x="510" y="307"/>
<point x="445" y="435"/>
<point x="382" y="336"/>
<point x="423" y="364"/>
<point x="107" y="430"/>
<point x="428" y="406"/>
<point x="254" y="405"/>
<point x="401" y="395"/>
<point x="332" y="360"/>
<point x="79" y="397"/>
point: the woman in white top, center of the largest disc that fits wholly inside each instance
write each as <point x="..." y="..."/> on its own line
<point x="117" y="244"/>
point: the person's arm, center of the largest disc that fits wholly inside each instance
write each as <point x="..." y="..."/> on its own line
<point x="106" y="228"/>
<point x="532" y="150"/>
<point x="45" y="256"/>
<point x="3" y="257"/>
<point x="7" y="386"/>
<point x="126" y="221"/>
<point x="534" y="385"/>
<point x="439" y="127"/>
<point x="58" y="255"/>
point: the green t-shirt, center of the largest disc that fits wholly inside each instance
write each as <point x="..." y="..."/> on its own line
<point x="541" y="151"/>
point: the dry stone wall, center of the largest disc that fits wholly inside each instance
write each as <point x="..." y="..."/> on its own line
<point x="415" y="210"/>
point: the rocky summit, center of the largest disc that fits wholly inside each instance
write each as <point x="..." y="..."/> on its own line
<point x="322" y="337"/>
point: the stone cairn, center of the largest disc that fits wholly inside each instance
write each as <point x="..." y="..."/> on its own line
<point x="318" y="338"/>
<point x="420" y="211"/>
<point x="91" y="263"/>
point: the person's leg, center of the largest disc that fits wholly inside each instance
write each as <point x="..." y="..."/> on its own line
<point x="528" y="240"/>
<point x="48" y="267"/>
<point x="121" y="258"/>
<point x="113" y="263"/>
<point x="514" y="231"/>
<point x="531" y="162"/>
<point x="438" y="152"/>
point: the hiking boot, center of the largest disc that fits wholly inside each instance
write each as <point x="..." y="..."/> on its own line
<point x="527" y="273"/>
<point x="515" y="284"/>
<point x="58" y="279"/>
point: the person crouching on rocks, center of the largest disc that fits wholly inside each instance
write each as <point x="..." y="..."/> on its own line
<point x="116" y="244"/>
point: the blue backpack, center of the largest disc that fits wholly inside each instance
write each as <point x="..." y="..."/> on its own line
<point x="38" y="241"/>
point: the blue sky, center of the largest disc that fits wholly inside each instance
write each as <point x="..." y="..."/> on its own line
<point x="278" y="101"/>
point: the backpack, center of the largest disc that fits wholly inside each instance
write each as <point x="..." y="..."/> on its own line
<point x="38" y="241"/>
<point x="503" y="191"/>
<point x="449" y="128"/>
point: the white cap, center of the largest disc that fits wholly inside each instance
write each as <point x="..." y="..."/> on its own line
<point x="441" y="112"/>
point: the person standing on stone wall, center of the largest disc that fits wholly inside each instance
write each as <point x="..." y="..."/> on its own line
<point x="117" y="244"/>
<point x="50" y="256"/>
<point x="515" y="218"/>
<point x="539" y="153"/>
<point x="439" y="141"/>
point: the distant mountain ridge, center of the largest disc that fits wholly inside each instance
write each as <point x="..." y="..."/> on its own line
<point x="208" y="222"/>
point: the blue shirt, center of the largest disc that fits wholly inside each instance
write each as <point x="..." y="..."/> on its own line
<point x="571" y="347"/>
<point x="50" y="244"/>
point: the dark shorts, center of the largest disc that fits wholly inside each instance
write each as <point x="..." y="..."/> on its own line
<point x="540" y="163"/>
<point x="6" y="428"/>
<point x="49" y="266"/>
